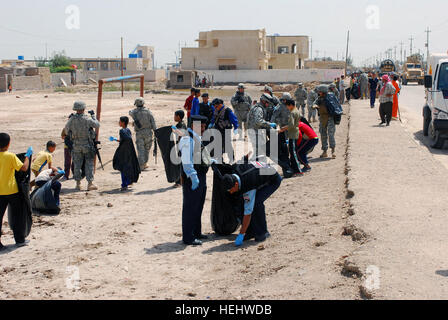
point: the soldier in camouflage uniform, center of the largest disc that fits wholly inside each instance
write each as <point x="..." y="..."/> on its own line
<point x="311" y="99"/>
<point x="241" y="103"/>
<point x="80" y="128"/>
<point x="258" y="126"/>
<point x="281" y="118"/>
<point x="332" y="88"/>
<point x="327" y="126"/>
<point x="275" y="102"/>
<point x="301" y="97"/>
<point x="144" y="125"/>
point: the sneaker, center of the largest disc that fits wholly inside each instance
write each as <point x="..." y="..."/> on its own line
<point x="91" y="187"/>
<point x="124" y="189"/>
<point x="306" y="169"/>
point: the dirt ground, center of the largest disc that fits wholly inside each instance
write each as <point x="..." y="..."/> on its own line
<point x="128" y="246"/>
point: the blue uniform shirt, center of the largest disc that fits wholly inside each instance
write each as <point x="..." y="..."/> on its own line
<point x="249" y="199"/>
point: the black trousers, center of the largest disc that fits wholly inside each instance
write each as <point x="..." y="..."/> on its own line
<point x="283" y="153"/>
<point x="258" y="226"/>
<point x="386" y="112"/>
<point x="295" y="164"/>
<point x="193" y="204"/>
<point x="13" y="201"/>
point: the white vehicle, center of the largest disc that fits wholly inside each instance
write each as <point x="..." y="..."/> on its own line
<point x="435" y="112"/>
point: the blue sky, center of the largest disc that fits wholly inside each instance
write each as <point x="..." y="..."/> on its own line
<point x="26" y="26"/>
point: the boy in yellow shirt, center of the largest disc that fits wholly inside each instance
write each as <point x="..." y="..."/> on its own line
<point x="43" y="158"/>
<point x="9" y="191"/>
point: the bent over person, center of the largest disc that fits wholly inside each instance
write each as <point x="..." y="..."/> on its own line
<point x="80" y="128"/>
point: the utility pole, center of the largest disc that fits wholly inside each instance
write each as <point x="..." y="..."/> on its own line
<point x="311" y="39"/>
<point x="46" y="52"/>
<point x="395" y="53"/>
<point x="412" y="41"/>
<point x="427" y="49"/>
<point x="346" y="52"/>
<point x="122" y="72"/>
<point x="401" y="52"/>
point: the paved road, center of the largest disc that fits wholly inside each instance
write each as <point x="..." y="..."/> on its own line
<point x="413" y="98"/>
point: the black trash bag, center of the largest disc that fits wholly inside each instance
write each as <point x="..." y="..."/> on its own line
<point x="227" y="210"/>
<point x="21" y="221"/>
<point x="356" y="91"/>
<point x="43" y="201"/>
<point x="163" y="136"/>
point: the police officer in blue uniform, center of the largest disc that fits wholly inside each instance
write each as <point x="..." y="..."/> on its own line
<point x="255" y="182"/>
<point x="194" y="177"/>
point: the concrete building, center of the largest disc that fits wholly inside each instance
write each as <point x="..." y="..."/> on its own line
<point x="287" y="52"/>
<point x="245" y="50"/>
<point x="142" y="60"/>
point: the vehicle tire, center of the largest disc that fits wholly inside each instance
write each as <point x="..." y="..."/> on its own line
<point x="437" y="141"/>
<point x="426" y="121"/>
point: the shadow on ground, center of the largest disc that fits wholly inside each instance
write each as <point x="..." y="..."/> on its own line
<point x="426" y="142"/>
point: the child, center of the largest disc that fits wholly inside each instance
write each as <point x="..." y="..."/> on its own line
<point x="125" y="158"/>
<point x="293" y="135"/>
<point x="179" y="119"/>
<point x="44" y="157"/>
<point x="9" y="191"/>
<point x="307" y="141"/>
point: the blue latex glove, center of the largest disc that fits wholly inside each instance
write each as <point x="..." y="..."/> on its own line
<point x="61" y="171"/>
<point x="194" y="182"/>
<point x="213" y="161"/>
<point x="113" y="139"/>
<point x="235" y="132"/>
<point x="29" y="152"/>
<point x="174" y="127"/>
<point x="273" y="125"/>
<point x="210" y="125"/>
<point x="239" y="240"/>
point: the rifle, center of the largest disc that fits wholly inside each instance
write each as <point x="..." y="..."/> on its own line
<point x="155" y="150"/>
<point x="94" y="142"/>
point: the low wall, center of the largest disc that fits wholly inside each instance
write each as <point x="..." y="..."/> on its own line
<point x="27" y="83"/>
<point x="150" y="75"/>
<point x="56" y="79"/>
<point x="273" y="76"/>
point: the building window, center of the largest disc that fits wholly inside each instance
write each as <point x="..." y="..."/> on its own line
<point x="180" y="78"/>
<point x="270" y="67"/>
<point x="215" y="43"/>
<point x="227" y="67"/>
<point x="104" y="66"/>
<point x="294" y="48"/>
<point x="283" y="50"/>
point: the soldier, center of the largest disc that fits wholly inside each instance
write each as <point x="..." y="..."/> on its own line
<point x="257" y="125"/>
<point x="311" y="99"/>
<point x="281" y="117"/>
<point x="327" y="126"/>
<point x="301" y="97"/>
<point x="275" y="102"/>
<point x="144" y="125"/>
<point x="80" y="128"/>
<point x="332" y="88"/>
<point x="364" y="84"/>
<point x="241" y="103"/>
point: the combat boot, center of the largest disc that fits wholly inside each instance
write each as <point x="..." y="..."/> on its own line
<point x="324" y="155"/>
<point x="78" y="185"/>
<point x="333" y="153"/>
<point x="91" y="187"/>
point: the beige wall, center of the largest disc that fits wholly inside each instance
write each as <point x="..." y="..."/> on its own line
<point x="311" y="64"/>
<point x="245" y="49"/>
<point x="297" y="51"/>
